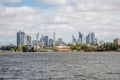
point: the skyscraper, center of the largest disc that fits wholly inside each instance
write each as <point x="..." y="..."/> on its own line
<point x="45" y="40"/>
<point x="80" y="37"/>
<point x="50" y="42"/>
<point x="21" y="39"/>
<point x="54" y="41"/>
<point x="83" y="39"/>
<point x="28" y="40"/>
<point x="90" y="38"/>
<point x="73" y="40"/>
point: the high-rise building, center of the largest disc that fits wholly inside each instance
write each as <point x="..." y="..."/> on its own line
<point x="90" y="38"/>
<point x="80" y="37"/>
<point x="21" y="39"/>
<point x="28" y="40"/>
<point x="83" y="39"/>
<point x="54" y="41"/>
<point x="50" y="42"/>
<point x="45" y="40"/>
<point x="73" y="40"/>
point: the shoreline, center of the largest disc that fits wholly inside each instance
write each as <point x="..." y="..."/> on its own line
<point x="59" y="52"/>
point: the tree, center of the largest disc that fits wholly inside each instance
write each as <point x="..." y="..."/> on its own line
<point x="25" y="49"/>
<point x="110" y="46"/>
<point x="73" y="47"/>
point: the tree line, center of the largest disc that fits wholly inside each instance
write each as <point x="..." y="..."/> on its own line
<point x="73" y="47"/>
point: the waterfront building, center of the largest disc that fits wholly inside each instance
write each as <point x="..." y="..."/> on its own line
<point x="62" y="48"/>
<point x="117" y="41"/>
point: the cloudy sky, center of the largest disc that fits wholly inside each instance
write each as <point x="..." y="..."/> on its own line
<point x="65" y="17"/>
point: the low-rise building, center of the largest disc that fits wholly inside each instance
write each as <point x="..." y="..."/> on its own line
<point x="117" y="41"/>
<point x="62" y="48"/>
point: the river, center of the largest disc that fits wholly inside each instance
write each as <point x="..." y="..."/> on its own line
<point x="60" y="66"/>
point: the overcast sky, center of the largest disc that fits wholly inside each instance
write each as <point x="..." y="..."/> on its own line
<point x="65" y="17"/>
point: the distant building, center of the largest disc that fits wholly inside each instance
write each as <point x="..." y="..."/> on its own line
<point x="80" y="37"/>
<point x="23" y="39"/>
<point x="73" y="40"/>
<point x="62" y="48"/>
<point x="34" y="42"/>
<point x="90" y="38"/>
<point x="60" y="42"/>
<point x="117" y="41"/>
<point x="50" y="42"/>
<point x="45" y="40"/>
<point x="28" y="40"/>
<point x="83" y="39"/>
<point x="54" y="39"/>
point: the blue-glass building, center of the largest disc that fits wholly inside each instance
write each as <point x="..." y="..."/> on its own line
<point x="46" y="40"/>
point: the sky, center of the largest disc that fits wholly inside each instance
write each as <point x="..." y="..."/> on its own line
<point x="65" y="17"/>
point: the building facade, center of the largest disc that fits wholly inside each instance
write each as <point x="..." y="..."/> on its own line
<point x="90" y="38"/>
<point x="80" y="37"/>
<point x="74" y="40"/>
<point x="50" y="42"/>
<point x="117" y="41"/>
<point x="23" y="39"/>
<point x="45" y="40"/>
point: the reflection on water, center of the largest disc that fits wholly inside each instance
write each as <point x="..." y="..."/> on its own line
<point x="60" y="66"/>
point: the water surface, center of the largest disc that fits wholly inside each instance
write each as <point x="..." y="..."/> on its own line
<point x="60" y="66"/>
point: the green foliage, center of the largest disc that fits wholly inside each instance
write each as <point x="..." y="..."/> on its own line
<point x="25" y="49"/>
<point x="73" y="47"/>
<point x="110" y="46"/>
<point x="32" y="50"/>
<point x="81" y="47"/>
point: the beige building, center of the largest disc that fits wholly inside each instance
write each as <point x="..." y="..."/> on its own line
<point x="117" y="41"/>
<point x="62" y="48"/>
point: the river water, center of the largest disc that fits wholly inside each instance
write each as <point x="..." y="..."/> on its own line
<point x="60" y="66"/>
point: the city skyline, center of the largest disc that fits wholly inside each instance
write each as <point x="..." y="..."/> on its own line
<point x="65" y="17"/>
<point x="24" y="39"/>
